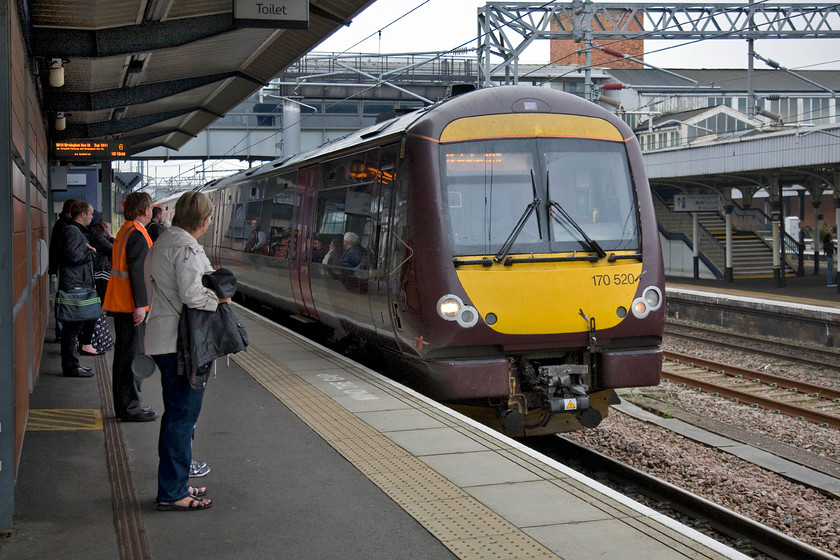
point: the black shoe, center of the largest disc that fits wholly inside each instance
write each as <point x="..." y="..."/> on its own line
<point x="80" y="371"/>
<point x="145" y="415"/>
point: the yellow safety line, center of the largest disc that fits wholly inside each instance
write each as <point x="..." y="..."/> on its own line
<point x="62" y="419"/>
<point x="463" y="524"/>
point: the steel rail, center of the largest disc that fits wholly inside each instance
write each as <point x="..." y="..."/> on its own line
<point x="808" y="414"/>
<point x="768" y="378"/>
<point x="821" y="358"/>
<point x="725" y="521"/>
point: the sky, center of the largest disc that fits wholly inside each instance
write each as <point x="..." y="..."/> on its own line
<point x="441" y="25"/>
<point x="415" y="26"/>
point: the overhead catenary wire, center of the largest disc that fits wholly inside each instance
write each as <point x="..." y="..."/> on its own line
<point x="457" y="49"/>
<point x="436" y="56"/>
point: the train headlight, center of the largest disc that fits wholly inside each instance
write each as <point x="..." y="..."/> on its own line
<point x="640" y="308"/>
<point x="448" y="307"/>
<point x="452" y="308"/>
<point x="653" y="297"/>
<point x="651" y="300"/>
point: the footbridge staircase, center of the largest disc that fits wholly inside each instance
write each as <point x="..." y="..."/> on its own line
<point x="752" y="252"/>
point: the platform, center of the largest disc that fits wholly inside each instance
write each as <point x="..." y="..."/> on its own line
<point x="312" y="456"/>
<point x="810" y="288"/>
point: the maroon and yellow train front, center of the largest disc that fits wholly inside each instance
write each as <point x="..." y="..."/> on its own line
<point x="502" y="252"/>
<point x="537" y="273"/>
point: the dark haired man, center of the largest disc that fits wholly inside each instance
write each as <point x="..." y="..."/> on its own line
<point x="155" y="226"/>
<point x="127" y="301"/>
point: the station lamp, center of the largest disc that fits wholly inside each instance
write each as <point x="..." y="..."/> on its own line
<point x="56" y="72"/>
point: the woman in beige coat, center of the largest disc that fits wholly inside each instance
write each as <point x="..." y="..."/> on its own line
<point x="174" y="268"/>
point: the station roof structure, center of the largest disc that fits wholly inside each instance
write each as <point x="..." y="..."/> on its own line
<point x="152" y="73"/>
<point x="728" y="80"/>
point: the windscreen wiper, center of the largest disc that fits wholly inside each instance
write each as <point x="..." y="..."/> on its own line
<point x="591" y="243"/>
<point x="517" y="229"/>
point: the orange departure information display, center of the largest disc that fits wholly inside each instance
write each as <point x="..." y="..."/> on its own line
<point x="74" y="150"/>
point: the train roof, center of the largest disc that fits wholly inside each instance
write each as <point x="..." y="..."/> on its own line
<point x="371" y="134"/>
<point x="478" y="102"/>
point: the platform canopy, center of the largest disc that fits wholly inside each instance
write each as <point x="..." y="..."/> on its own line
<point x="150" y="73"/>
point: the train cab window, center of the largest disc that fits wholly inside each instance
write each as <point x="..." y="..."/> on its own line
<point x="591" y="181"/>
<point x="488" y="190"/>
<point x="501" y="189"/>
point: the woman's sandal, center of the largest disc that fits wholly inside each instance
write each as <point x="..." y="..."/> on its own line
<point x="194" y="504"/>
<point x="197" y="492"/>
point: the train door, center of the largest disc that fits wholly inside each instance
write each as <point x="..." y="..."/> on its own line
<point x="381" y="222"/>
<point x="307" y="184"/>
<point x="216" y="240"/>
<point x="401" y="263"/>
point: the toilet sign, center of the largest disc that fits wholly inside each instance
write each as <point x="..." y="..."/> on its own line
<point x="287" y="14"/>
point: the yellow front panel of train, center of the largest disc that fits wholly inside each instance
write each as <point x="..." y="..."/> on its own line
<point x="544" y="298"/>
<point x="520" y="125"/>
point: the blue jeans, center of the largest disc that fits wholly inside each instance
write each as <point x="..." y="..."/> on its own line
<point x="830" y="268"/>
<point x="181" y="406"/>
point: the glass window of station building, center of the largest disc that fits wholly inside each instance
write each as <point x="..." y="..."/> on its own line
<point x="794" y="110"/>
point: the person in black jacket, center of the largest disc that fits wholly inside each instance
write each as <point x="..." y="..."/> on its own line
<point x="75" y="269"/>
<point x="102" y="240"/>
<point x="354" y="253"/>
<point x="127" y="302"/>
<point x="155" y="227"/>
<point x="56" y="244"/>
<point x="99" y="233"/>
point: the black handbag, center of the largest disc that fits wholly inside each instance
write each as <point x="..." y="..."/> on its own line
<point x="77" y="304"/>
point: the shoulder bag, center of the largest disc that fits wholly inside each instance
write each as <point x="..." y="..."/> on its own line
<point x="77" y="304"/>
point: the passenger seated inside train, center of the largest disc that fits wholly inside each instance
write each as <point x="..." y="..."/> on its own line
<point x="333" y="256"/>
<point x="317" y="251"/>
<point x="354" y="253"/>
<point x="280" y="244"/>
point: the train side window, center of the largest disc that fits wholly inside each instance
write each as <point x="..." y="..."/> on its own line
<point x="346" y="197"/>
<point x="225" y="221"/>
<point x="381" y="212"/>
<point x="281" y="212"/>
<point x="236" y="230"/>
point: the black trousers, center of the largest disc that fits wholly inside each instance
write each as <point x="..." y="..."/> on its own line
<point x="128" y="343"/>
<point x="70" y="332"/>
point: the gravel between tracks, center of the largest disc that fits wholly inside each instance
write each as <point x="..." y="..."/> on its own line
<point x="766" y="497"/>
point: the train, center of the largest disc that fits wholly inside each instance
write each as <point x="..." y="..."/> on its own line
<point x="498" y="251"/>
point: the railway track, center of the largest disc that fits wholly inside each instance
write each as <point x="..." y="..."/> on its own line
<point x="814" y="356"/>
<point x="739" y="530"/>
<point x="814" y="403"/>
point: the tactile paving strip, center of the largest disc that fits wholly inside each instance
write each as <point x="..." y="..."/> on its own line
<point x="60" y="419"/>
<point x="464" y="525"/>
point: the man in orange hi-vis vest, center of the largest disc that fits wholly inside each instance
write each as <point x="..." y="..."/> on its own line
<point x="127" y="302"/>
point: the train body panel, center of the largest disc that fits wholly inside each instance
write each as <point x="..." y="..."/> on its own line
<point x="508" y="258"/>
<point x="554" y="299"/>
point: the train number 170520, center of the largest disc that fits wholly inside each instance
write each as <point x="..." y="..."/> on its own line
<point x="614" y="279"/>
